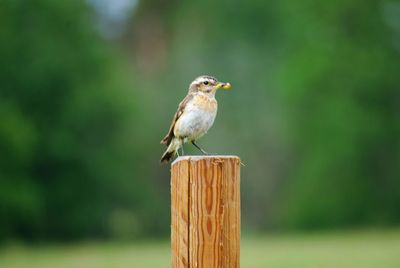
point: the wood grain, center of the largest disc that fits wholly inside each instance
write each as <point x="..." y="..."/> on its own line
<point x="205" y="212"/>
<point x="180" y="214"/>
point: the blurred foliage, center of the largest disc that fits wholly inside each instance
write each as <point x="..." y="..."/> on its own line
<point x="69" y="161"/>
<point x="340" y="84"/>
<point x="314" y="113"/>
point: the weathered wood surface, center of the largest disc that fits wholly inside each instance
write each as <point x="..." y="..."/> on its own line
<point x="205" y="212"/>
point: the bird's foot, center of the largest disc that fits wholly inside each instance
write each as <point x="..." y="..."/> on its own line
<point x="198" y="147"/>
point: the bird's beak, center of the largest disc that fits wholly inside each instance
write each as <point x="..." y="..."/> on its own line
<point x="225" y="86"/>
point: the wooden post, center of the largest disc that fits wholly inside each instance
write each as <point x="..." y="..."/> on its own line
<point x="205" y="212"/>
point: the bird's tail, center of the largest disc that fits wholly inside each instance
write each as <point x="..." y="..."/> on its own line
<point x="167" y="156"/>
<point x="171" y="150"/>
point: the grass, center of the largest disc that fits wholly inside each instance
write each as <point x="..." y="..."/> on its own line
<point x="343" y="249"/>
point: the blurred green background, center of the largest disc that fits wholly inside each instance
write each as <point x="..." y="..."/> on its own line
<point x="88" y="89"/>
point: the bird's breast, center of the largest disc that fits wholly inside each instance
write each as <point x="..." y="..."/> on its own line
<point x="205" y="103"/>
<point x="197" y="118"/>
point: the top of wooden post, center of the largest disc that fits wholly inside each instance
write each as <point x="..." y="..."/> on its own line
<point x="203" y="157"/>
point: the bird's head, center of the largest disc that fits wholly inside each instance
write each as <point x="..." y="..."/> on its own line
<point x="207" y="84"/>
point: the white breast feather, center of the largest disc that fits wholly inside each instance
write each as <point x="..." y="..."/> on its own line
<point x="194" y="122"/>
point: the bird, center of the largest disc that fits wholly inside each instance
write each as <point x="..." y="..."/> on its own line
<point x="195" y="116"/>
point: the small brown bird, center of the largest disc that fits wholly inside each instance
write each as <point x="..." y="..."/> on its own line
<point x="195" y="115"/>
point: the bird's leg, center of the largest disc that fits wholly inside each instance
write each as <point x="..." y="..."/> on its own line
<point x="198" y="147"/>
<point x="183" y="152"/>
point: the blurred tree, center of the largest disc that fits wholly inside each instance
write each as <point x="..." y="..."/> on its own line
<point x="69" y="166"/>
<point x="339" y="77"/>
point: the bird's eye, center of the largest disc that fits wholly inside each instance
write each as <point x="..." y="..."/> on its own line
<point x="205" y="82"/>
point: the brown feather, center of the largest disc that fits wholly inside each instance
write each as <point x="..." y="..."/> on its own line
<point x="170" y="135"/>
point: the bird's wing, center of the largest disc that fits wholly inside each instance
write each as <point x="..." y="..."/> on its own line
<point x="167" y="139"/>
